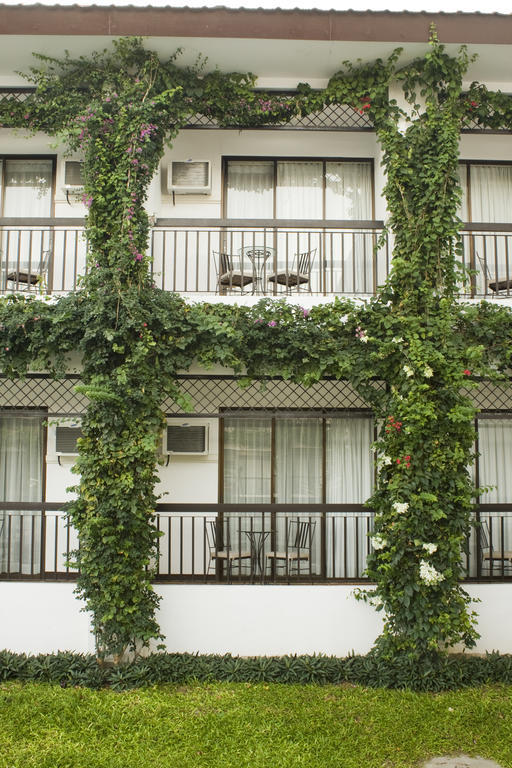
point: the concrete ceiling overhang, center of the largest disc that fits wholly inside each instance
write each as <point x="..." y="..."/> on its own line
<point x="281" y="47"/>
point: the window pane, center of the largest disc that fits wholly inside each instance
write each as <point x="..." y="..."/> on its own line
<point x="247" y="458"/>
<point x="349" y="460"/>
<point x="348" y="191"/>
<point x="21" y="464"/>
<point x="298" y="461"/>
<point x="28" y="186"/>
<point x="299" y="190"/>
<point x="250" y="191"/>
<point x="491" y="192"/>
<point x="495" y="446"/>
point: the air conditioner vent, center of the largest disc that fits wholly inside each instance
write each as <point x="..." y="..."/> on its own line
<point x="191" y="439"/>
<point x="188" y="177"/>
<point x="65" y="440"/>
<point x="73" y="175"/>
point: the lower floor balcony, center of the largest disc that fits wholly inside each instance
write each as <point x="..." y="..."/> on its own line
<point x="246" y="257"/>
<point x="230" y="544"/>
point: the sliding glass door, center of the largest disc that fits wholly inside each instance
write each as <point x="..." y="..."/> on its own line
<point x="21" y="480"/>
<point x="301" y="460"/>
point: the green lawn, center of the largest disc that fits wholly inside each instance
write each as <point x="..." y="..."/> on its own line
<point x="227" y="725"/>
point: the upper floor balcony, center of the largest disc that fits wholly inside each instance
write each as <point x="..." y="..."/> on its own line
<point x="228" y="257"/>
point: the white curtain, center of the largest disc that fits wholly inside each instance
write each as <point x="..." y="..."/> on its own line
<point x="491" y="192"/>
<point x="28" y="185"/>
<point x="21" y="464"/>
<point x="27" y="193"/>
<point x="349" y="473"/>
<point x="247" y="461"/>
<point x="349" y="257"/>
<point x="250" y="193"/>
<point x="299" y="190"/>
<point x="495" y="462"/>
<point x="491" y="201"/>
<point x="348" y="190"/>
<point x="298" y="461"/>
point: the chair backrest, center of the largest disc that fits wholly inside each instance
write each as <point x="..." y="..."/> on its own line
<point x="304" y="261"/>
<point x="300" y="534"/>
<point x="484" y="535"/>
<point x="225" y="263"/>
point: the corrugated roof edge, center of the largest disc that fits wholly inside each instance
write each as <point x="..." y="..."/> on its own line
<point x="259" y="9"/>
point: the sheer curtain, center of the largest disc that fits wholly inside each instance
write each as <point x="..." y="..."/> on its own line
<point x="491" y="201"/>
<point x="247" y="461"/>
<point x="21" y="464"/>
<point x="348" y="195"/>
<point x="495" y="461"/>
<point x="27" y="189"/>
<point x="250" y="195"/>
<point x="298" y="461"/>
<point x="298" y="479"/>
<point x="349" y="470"/>
<point x="27" y="193"/>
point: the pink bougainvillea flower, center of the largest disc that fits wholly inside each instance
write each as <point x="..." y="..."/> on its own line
<point x="272" y="324"/>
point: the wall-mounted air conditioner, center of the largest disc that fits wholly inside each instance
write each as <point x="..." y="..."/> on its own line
<point x="185" y="439"/>
<point x="189" y="177"/>
<point x="66" y="437"/>
<point x="73" y="177"/>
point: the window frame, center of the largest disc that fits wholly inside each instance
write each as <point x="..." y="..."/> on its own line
<point x="275" y="159"/>
<point x="3" y="164"/>
<point x="278" y="414"/>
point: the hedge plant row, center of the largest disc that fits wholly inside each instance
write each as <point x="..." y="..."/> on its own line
<point x="435" y="674"/>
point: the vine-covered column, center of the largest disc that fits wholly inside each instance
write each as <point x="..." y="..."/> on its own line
<point x="424" y="495"/>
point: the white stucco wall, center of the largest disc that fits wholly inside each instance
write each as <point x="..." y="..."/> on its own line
<point x="245" y="620"/>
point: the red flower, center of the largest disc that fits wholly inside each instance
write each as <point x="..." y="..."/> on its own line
<point x="466" y="372"/>
<point x="398" y="461"/>
<point x="474" y="103"/>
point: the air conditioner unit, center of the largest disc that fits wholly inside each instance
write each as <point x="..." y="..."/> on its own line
<point x="65" y="439"/>
<point x="189" y="177"/>
<point x="186" y="439"/>
<point x="73" y="177"/>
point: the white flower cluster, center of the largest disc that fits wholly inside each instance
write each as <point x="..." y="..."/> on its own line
<point x="384" y="461"/>
<point x="378" y="541"/>
<point x="430" y="548"/>
<point x="429" y="575"/>
<point x="408" y="371"/>
<point x="428" y="372"/>
<point x="400" y="507"/>
<point x="397" y="339"/>
<point x="376" y="601"/>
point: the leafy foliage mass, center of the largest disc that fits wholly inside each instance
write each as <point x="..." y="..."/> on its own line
<point x="119" y="108"/>
<point x="436" y="674"/>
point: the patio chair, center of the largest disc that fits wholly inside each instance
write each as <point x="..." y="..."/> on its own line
<point x="496" y="286"/>
<point x="298" y="275"/>
<point x="490" y="554"/>
<point x="298" y="548"/>
<point x="227" y="553"/>
<point x="25" y="274"/>
<point x="229" y="276"/>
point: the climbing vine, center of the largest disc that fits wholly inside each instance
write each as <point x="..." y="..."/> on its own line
<point x="119" y="108"/>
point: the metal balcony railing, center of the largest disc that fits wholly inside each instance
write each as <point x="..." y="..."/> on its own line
<point x="245" y="257"/>
<point x="251" y="543"/>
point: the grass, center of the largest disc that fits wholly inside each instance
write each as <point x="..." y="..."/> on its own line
<point x="228" y="725"/>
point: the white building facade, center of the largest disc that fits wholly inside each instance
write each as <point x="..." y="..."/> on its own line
<point x="264" y="528"/>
